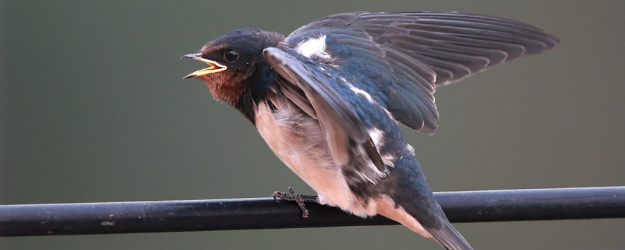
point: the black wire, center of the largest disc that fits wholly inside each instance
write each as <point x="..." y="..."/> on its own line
<point x="265" y="213"/>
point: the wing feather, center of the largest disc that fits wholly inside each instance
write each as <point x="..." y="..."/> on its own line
<point x="338" y="121"/>
<point x="408" y="55"/>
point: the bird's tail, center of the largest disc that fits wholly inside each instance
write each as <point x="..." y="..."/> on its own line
<point x="439" y="229"/>
<point x="449" y="237"/>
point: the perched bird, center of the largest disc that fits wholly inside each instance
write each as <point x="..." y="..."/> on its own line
<point x="327" y="99"/>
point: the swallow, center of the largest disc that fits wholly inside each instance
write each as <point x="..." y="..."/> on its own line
<point x="328" y="100"/>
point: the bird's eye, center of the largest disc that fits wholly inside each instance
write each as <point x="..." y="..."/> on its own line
<point x="231" y="55"/>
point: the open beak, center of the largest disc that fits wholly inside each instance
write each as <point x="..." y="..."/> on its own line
<point x="214" y="66"/>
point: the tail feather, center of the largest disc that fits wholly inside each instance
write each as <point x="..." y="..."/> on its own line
<point x="449" y="237"/>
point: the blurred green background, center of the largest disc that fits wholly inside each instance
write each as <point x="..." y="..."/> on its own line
<point x="93" y="108"/>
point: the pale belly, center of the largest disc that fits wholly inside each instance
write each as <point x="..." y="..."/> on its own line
<point x="306" y="154"/>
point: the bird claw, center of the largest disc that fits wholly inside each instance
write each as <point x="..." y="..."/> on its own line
<point x="299" y="198"/>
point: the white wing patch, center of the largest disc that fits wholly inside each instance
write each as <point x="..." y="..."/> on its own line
<point x="377" y="136"/>
<point x="410" y="148"/>
<point x="365" y="178"/>
<point x="314" y="48"/>
<point x="389" y="160"/>
<point x="361" y="92"/>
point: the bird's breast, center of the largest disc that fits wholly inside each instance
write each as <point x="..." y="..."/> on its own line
<point x="298" y="141"/>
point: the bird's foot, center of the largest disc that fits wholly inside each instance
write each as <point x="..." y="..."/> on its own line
<point x="299" y="198"/>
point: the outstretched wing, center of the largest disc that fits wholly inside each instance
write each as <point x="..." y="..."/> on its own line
<point x="408" y="55"/>
<point x="313" y="92"/>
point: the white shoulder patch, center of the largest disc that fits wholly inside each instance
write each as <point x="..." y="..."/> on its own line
<point x="360" y="92"/>
<point x="313" y="48"/>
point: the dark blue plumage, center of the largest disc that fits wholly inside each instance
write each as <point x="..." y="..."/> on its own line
<point x="405" y="174"/>
<point x="327" y="99"/>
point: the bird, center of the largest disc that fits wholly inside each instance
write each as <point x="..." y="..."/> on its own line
<point x="329" y="99"/>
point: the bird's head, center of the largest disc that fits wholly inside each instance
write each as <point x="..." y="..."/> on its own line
<point x="232" y="59"/>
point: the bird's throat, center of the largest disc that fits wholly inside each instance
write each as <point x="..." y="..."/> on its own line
<point x="223" y="90"/>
